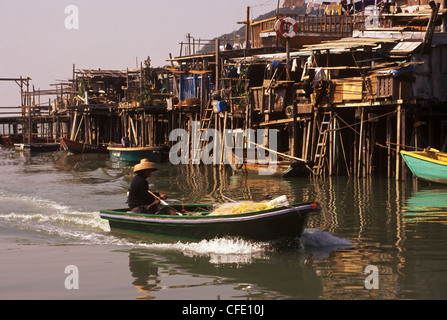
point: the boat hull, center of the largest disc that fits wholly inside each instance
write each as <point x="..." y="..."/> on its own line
<point x="289" y="169"/>
<point x="79" y="147"/>
<point x="154" y="154"/>
<point x="263" y="225"/>
<point x="427" y="165"/>
<point x="281" y="168"/>
<point x="42" y="147"/>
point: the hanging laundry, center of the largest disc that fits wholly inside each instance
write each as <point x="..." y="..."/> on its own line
<point x="294" y="65"/>
<point x="336" y="10"/>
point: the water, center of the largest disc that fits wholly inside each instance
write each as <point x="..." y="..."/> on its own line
<point x="49" y="205"/>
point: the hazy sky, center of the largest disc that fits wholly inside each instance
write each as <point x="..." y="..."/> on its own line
<point x="112" y="34"/>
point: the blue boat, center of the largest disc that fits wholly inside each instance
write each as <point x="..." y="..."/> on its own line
<point x="429" y="164"/>
<point x="135" y="154"/>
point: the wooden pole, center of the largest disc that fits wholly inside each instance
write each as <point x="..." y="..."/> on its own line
<point x="288" y="58"/>
<point x="388" y="141"/>
<point x="403" y="142"/>
<point x="398" y="130"/>
<point x="360" y="151"/>
<point x="247" y="28"/>
<point x="217" y="86"/>
<point x="295" y="125"/>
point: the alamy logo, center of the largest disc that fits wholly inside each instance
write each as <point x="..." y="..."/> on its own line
<point x="249" y="147"/>
<point x="372" y="279"/>
<point x="72" y="280"/>
<point x="72" y="20"/>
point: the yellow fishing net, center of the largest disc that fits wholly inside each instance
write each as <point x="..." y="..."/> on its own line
<point x="248" y="206"/>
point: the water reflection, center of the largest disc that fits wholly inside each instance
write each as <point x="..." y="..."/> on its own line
<point x="427" y="205"/>
<point x="282" y="275"/>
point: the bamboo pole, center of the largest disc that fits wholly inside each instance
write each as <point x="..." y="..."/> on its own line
<point x="398" y="130"/>
<point x="359" y="163"/>
<point x="388" y="141"/>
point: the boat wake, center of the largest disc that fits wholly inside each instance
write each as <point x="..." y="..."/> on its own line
<point x="240" y="251"/>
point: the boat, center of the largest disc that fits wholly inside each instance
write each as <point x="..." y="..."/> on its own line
<point x="135" y="154"/>
<point x="197" y="223"/>
<point x="12" y="139"/>
<point x="42" y="147"/>
<point x="19" y="146"/>
<point x="81" y="147"/>
<point x="283" y="166"/>
<point x="429" y="164"/>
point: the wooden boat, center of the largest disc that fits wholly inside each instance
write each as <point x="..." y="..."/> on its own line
<point x="429" y="164"/>
<point x="196" y="223"/>
<point x="42" y="147"/>
<point x="19" y="146"/>
<point x="81" y="147"/>
<point x="135" y="154"/>
<point x="281" y="167"/>
<point x="12" y="139"/>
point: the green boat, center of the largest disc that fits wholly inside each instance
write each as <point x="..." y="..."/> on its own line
<point x="195" y="223"/>
<point x="429" y="164"/>
<point x="135" y="154"/>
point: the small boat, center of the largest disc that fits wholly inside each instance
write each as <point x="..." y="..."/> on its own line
<point x="81" y="147"/>
<point x="197" y="222"/>
<point x="42" y="147"/>
<point x="429" y="164"/>
<point x="135" y="154"/>
<point x="12" y="139"/>
<point x="19" y="146"/>
<point x="281" y="167"/>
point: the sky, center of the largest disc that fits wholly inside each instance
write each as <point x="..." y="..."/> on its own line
<point x="39" y="39"/>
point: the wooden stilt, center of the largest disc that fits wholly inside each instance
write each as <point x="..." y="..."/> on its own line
<point x="360" y="150"/>
<point x="398" y="140"/>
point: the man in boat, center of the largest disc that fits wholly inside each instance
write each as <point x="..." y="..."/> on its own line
<point x="139" y="198"/>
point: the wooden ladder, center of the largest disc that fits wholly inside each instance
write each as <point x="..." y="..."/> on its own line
<point x="320" y="151"/>
<point x="208" y="116"/>
<point x="206" y="120"/>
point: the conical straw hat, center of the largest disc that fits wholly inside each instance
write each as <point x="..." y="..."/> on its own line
<point x="144" y="165"/>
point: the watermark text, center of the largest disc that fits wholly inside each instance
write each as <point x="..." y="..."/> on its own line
<point x="72" y="19"/>
<point x="211" y="147"/>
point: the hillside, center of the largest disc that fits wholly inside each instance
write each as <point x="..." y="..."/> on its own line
<point x="240" y="33"/>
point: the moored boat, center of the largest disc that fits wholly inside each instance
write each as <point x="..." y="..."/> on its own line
<point x="42" y="147"/>
<point x="81" y="147"/>
<point x="281" y="167"/>
<point x="197" y="222"/>
<point x="12" y="139"/>
<point x="135" y="154"/>
<point x="19" y="146"/>
<point x="429" y="164"/>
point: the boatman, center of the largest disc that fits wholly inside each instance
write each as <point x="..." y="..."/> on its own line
<point x="139" y="198"/>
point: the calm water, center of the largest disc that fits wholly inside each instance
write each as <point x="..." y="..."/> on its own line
<point x="49" y="205"/>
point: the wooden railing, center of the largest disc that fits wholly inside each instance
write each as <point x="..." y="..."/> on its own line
<point x="337" y="25"/>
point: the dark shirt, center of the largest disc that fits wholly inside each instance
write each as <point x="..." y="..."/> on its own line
<point x="138" y="192"/>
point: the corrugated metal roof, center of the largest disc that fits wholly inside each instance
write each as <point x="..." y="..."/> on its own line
<point x="405" y="47"/>
<point x="348" y="43"/>
<point x="103" y="73"/>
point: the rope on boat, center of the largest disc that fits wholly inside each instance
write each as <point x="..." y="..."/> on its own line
<point x="397" y="144"/>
